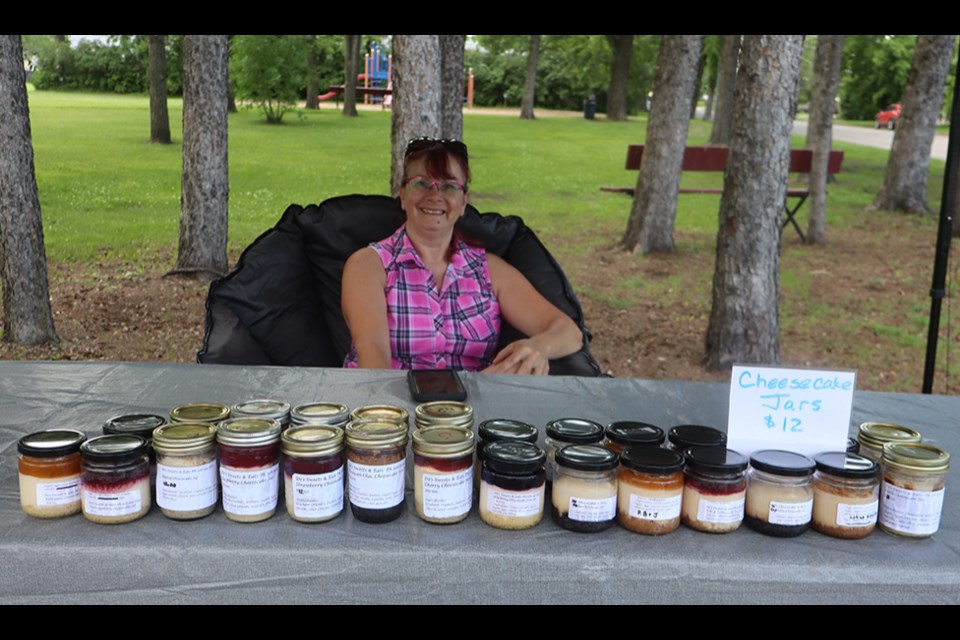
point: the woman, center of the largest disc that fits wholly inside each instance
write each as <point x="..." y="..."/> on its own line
<point x="425" y="298"/>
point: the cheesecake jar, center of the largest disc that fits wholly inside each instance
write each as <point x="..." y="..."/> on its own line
<point x="376" y="461"/>
<point x="911" y="493"/>
<point x="49" y="472"/>
<point x="443" y="473"/>
<point x="846" y="495"/>
<point x="779" y="493"/>
<point x="512" y="484"/>
<point x="650" y="490"/>
<point x="187" y="478"/>
<point x="714" y="489"/>
<point x="567" y="431"/>
<point x="115" y="482"/>
<point x="249" y="468"/>
<point x="313" y="472"/>
<point x="584" y="492"/>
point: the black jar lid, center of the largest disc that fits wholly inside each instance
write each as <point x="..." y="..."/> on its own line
<point x="847" y="465"/>
<point x="114" y="448"/>
<point x="652" y="460"/>
<point x="52" y="443"/>
<point x="514" y="457"/>
<point x="575" y="430"/>
<point x="782" y="463"/>
<point x="715" y="459"/>
<point x="853" y="445"/>
<point x="587" y="457"/>
<point x="138" y="424"/>
<point x="628" y="433"/>
<point x="684" y="436"/>
<point x="500" y="429"/>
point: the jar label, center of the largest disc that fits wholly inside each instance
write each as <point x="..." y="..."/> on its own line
<point x="250" y="492"/>
<point x="113" y="504"/>
<point x="857" y="515"/>
<point x="447" y="495"/>
<point x="592" y="509"/>
<point x="378" y="486"/>
<point x="790" y="513"/>
<point x="911" y="512"/>
<point x="55" y="494"/>
<point x="318" y="495"/>
<point x="720" y="511"/>
<point x="647" y="508"/>
<point x="515" y="504"/>
<point x="187" y="488"/>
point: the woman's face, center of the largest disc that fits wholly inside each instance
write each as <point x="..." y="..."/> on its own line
<point x="432" y="211"/>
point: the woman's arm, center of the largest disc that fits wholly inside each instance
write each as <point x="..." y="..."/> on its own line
<point x="552" y="333"/>
<point x="364" y="308"/>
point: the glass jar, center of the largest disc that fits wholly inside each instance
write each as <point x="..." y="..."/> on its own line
<point x="137" y="424"/>
<point x="187" y="485"/>
<point x="115" y="482"/>
<point x="512" y="484"/>
<point x="320" y="413"/>
<point x="584" y="495"/>
<point x="714" y="489"/>
<point x="313" y="472"/>
<point x="565" y="431"/>
<point x="249" y="468"/>
<point x="200" y="412"/>
<point x="873" y="435"/>
<point x="650" y="490"/>
<point x="911" y="495"/>
<point x="443" y="473"/>
<point x="779" y="493"/>
<point x="376" y="459"/>
<point x="49" y="469"/>
<point x="846" y="493"/>
<point x="443" y="413"/>
<point x="500" y="430"/>
<point x="684" y="436"/>
<point x="381" y="413"/>
<point x="622" y="435"/>
<point x="263" y="408"/>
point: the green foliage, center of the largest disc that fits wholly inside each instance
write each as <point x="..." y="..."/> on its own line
<point x="874" y="73"/>
<point x="269" y="71"/>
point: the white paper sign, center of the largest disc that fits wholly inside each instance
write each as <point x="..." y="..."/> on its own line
<point x="802" y="410"/>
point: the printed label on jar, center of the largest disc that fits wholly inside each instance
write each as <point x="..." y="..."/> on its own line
<point x="720" y="512"/>
<point x="187" y="488"/>
<point x="318" y="495"/>
<point x="592" y="509"/>
<point x="250" y="492"/>
<point x="447" y="495"/>
<point x="912" y="512"/>
<point x="515" y="504"/>
<point x="790" y="513"/>
<point x="647" y="508"/>
<point x="113" y="504"/>
<point x="857" y="515"/>
<point x="55" y="494"/>
<point x="376" y="486"/>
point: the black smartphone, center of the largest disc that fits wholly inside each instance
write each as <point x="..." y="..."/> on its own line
<point x="429" y="385"/>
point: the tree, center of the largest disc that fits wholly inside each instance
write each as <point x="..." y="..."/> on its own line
<point x="313" y="88"/>
<point x="905" y="182"/>
<point x="202" y="250"/>
<point x="826" y="79"/>
<point x="27" y="318"/>
<point x="622" y="47"/>
<point x="269" y="70"/>
<point x="451" y="80"/>
<point x="351" y="64"/>
<point x="744" y="321"/>
<point x="875" y="71"/>
<point x="159" y="120"/>
<point x="530" y="80"/>
<point x="726" y="90"/>
<point x="650" y="227"/>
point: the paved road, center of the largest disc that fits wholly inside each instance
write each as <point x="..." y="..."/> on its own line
<point x="878" y="138"/>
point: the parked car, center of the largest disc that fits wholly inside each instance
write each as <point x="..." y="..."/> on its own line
<point x="888" y="117"/>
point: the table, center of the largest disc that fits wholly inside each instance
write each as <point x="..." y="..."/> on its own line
<point x="213" y="560"/>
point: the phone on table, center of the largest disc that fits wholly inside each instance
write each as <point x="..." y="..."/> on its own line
<point x="430" y="385"/>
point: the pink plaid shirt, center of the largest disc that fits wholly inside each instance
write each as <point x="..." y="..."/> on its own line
<point x="456" y="328"/>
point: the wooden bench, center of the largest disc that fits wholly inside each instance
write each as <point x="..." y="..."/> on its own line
<point x="714" y="159"/>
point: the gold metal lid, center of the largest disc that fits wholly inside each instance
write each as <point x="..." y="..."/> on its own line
<point x="332" y="413"/>
<point x="200" y="412"/>
<point x="375" y="434"/>
<point x="443" y="442"/>
<point x="311" y="441"/>
<point x="444" y="413"/>
<point x="915" y="457"/>
<point x="877" y="434"/>
<point x="184" y="437"/>
<point x="261" y="408"/>
<point x="248" y="432"/>
<point x="380" y="413"/>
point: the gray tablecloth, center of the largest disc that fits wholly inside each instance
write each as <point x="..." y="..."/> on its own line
<point x="156" y="560"/>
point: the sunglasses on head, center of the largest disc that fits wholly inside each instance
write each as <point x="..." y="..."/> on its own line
<point x="415" y="145"/>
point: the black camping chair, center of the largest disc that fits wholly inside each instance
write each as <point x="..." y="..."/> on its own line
<point x="281" y="304"/>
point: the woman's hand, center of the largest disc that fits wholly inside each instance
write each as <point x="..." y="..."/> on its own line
<point x="522" y="356"/>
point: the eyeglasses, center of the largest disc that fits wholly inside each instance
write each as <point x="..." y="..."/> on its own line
<point x="421" y="185"/>
<point x="415" y="145"/>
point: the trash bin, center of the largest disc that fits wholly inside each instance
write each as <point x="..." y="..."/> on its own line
<point x="590" y="107"/>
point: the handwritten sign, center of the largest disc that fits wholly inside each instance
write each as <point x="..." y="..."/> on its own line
<point x="800" y="410"/>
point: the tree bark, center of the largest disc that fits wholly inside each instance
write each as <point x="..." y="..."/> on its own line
<point x="205" y="186"/>
<point x="159" y="119"/>
<point x="826" y="79"/>
<point x="622" y="47"/>
<point x="451" y="81"/>
<point x="530" y="82"/>
<point x="231" y="99"/>
<point x="697" y="83"/>
<point x="27" y="318"/>
<point x="351" y="62"/>
<point x="744" y="317"/>
<point x="905" y="182"/>
<point x="417" y="98"/>
<point x="651" y="222"/>
<point x="313" y="88"/>
<point x="726" y="90"/>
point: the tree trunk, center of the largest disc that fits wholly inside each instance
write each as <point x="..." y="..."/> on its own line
<point x="205" y="185"/>
<point x="530" y="82"/>
<point x="697" y="83"/>
<point x="159" y="120"/>
<point x="826" y="79"/>
<point x="744" y="317"/>
<point x="351" y="62"/>
<point x="650" y="227"/>
<point x="622" y="47"/>
<point x="905" y="183"/>
<point x="417" y="93"/>
<point x="27" y="318"/>
<point x="313" y="88"/>
<point x="726" y="89"/>
<point x="451" y="81"/>
<point x="231" y="99"/>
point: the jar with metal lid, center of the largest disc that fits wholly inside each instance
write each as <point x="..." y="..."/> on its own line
<point x="137" y="424"/>
<point x="187" y="484"/>
<point x="376" y="459"/>
<point x="873" y="435"/>
<point x="319" y="413"/>
<point x="566" y="431"/>
<point x="684" y="436"/>
<point x="911" y="495"/>
<point x="313" y="463"/>
<point x="846" y="493"/>
<point x="381" y="413"/>
<point x="115" y="482"/>
<point x="624" y="434"/>
<point x="779" y="493"/>
<point x="714" y="489"/>
<point x="500" y="430"/>
<point x="200" y="412"/>
<point x="249" y="468"/>
<point x="443" y="413"/>
<point x="584" y="495"/>
<point x="650" y="490"/>
<point x="443" y="473"/>
<point x="512" y="484"/>
<point x="263" y="408"/>
<point x="49" y="470"/>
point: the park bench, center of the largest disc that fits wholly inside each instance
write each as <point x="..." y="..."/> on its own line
<point x="714" y="159"/>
